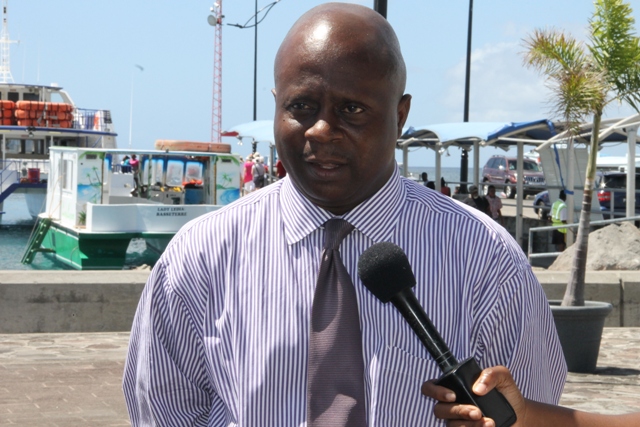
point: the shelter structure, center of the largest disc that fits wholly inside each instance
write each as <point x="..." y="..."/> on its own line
<point x="612" y="131"/>
<point x="258" y="131"/>
<point x="470" y="136"/>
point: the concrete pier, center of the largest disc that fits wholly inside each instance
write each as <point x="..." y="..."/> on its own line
<point x="98" y="301"/>
<point x="74" y="379"/>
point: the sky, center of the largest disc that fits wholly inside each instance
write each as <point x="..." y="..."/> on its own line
<point x="94" y="50"/>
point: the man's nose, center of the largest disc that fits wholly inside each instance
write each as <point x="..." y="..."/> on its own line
<point x="323" y="129"/>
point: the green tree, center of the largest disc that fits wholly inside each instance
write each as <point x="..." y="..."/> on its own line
<point x="584" y="80"/>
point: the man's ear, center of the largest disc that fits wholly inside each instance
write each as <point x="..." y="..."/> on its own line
<point x="273" y="91"/>
<point x="403" y="111"/>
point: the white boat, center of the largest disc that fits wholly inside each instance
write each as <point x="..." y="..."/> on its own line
<point x="95" y="207"/>
<point x="34" y="118"/>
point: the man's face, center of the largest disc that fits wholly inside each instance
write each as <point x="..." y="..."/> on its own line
<point x="336" y="123"/>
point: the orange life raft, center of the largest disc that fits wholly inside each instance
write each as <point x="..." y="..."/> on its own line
<point x="178" y="145"/>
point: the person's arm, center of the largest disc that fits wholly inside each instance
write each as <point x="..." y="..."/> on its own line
<point x="165" y="378"/>
<point x="529" y="412"/>
<point x="514" y="330"/>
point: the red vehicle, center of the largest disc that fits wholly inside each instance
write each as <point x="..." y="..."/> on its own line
<point x="501" y="171"/>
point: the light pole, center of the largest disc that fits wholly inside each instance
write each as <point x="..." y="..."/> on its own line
<point x="131" y="104"/>
<point x="255" y="56"/>
<point x="464" y="159"/>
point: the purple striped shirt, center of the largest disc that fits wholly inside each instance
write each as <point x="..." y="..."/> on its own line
<point x="220" y="335"/>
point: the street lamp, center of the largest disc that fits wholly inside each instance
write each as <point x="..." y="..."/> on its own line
<point x="464" y="159"/>
<point x="267" y="8"/>
<point x="131" y="104"/>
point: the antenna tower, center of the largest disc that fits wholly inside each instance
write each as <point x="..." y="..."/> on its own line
<point x="5" y="66"/>
<point x="215" y="19"/>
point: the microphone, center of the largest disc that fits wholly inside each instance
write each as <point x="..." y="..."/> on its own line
<point x="385" y="270"/>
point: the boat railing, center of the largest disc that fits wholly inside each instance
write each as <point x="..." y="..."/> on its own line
<point x="8" y="174"/>
<point x="15" y="171"/>
<point x="98" y="120"/>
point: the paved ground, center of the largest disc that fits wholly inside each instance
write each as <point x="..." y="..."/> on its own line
<point x="72" y="380"/>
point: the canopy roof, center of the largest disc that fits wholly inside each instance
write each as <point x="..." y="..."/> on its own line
<point x="259" y="131"/>
<point x="465" y="134"/>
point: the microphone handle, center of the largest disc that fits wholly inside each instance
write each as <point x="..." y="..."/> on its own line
<point x="458" y="377"/>
<point x="409" y="306"/>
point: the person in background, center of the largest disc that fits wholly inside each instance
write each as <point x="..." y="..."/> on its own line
<point x="248" y="186"/>
<point x="425" y="178"/>
<point x="559" y="217"/>
<point x="528" y="412"/>
<point x="258" y="172"/>
<point x="224" y="329"/>
<point x="443" y="187"/>
<point x="495" y="204"/>
<point x="475" y="200"/>
<point x="135" y="169"/>
<point x="125" y="167"/>
<point x="281" y="172"/>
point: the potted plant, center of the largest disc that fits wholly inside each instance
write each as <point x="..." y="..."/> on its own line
<point x="584" y="80"/>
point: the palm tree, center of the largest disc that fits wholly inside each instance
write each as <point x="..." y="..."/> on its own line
<point x="584" y="80"/>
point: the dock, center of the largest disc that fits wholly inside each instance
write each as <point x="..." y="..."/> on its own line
<point x="74" y="379"/>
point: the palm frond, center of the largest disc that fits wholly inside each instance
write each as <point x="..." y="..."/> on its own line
<point x="615" y="48"/>
<point x="551" y="51"/>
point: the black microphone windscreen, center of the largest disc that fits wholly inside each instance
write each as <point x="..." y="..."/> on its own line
<point x="385" y="270"/>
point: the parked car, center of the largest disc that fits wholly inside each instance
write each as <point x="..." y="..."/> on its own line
<point x="501" y="171"/>
<point x="612" y="189"/>
<point x="542" y="205"/>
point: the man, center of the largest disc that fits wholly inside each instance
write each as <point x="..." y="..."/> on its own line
<point x="477" y="201"/>
<point x="495" y="204"/>
<point x="223" y="337"/>
<point x="559" y="217"/>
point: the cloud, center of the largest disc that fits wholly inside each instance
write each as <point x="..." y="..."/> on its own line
<point x="501" y="88"/>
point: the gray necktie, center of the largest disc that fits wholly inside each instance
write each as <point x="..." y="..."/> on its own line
<point x="335" y="388"/>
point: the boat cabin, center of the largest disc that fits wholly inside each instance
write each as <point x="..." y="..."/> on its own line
<point x="95" y="190"/>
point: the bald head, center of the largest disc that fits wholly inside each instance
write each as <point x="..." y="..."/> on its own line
<point x="337" y="32"/>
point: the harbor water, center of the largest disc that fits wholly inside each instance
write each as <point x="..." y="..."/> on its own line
<point x="16" y="228"/>
<point x="17" y="225"/>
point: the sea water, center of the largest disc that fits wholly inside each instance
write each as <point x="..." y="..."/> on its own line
<point x="16" y="228"/>
<point x="17" y="225"/>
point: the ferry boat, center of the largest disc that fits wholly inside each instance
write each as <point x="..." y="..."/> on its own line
<point x="95" y="205"/>
<point x="34" y="118"/>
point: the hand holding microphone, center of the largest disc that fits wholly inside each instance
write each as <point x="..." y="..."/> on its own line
<point x="385" y="271"/>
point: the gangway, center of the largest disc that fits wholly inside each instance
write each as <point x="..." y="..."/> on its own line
<point x="35" y="240"/>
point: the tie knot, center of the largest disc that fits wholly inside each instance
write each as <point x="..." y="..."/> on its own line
<point x="335" y="230"/>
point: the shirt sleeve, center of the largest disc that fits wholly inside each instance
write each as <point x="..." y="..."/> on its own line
<point x="563" y="214"/>
<point x="165" y="379"/>
<point x="519" y="332"/>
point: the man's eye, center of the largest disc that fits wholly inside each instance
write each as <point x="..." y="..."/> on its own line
<point x="300" y="106"/>
<point x="353" y="109"/>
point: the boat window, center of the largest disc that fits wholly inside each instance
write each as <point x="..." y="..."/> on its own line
<point x="29" y="146"/>
<point x="175" y="173"/>
<point x="194" y="173"/>
<point x="66" y="174"/>
<point x="14" y="146"/>
<point x="13" y="96"/>
<point x="157" y="172"/>
<point x="30" y="97"/>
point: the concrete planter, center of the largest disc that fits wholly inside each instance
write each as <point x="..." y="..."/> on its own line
<point x="580" y="331"/>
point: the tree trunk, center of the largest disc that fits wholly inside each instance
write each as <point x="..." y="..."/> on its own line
<point x="574" y="295"/>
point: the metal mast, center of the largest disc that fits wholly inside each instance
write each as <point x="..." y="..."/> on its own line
<point x="215" y="20"/>
<point x="5" y="66"/>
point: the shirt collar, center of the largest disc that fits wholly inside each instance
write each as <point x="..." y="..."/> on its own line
<point x="376" y="217"/>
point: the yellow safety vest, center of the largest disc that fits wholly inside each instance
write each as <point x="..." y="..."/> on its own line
<point x="557" y="207"/>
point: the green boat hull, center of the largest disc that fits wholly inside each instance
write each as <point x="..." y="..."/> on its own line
<point x="94" y="251"/>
